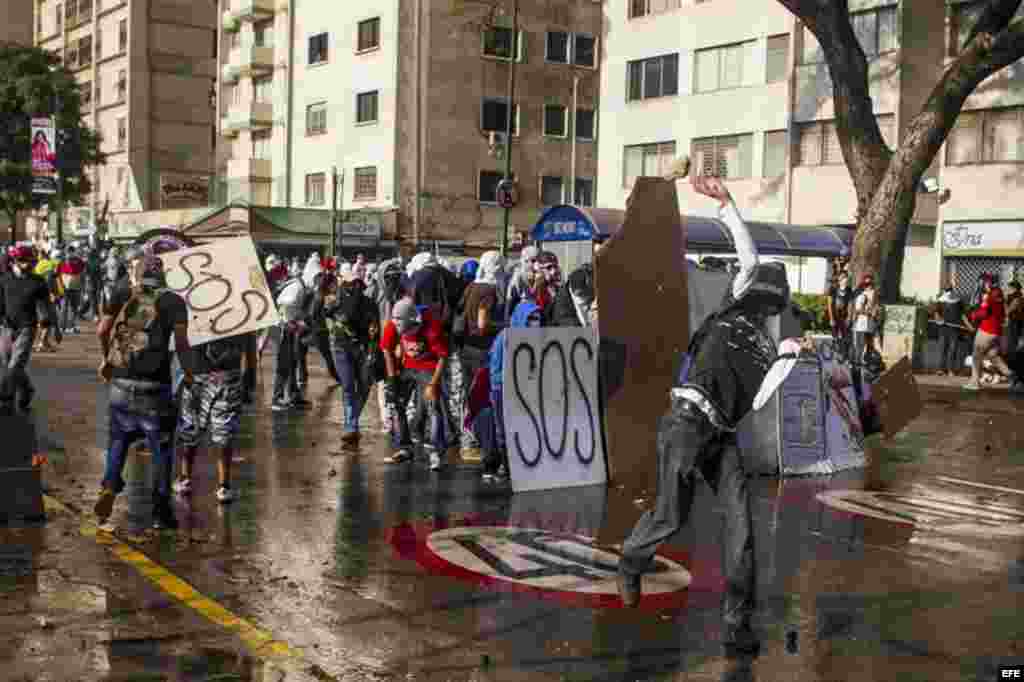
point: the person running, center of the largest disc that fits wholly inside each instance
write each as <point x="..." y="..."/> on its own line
<point x="723" y="377"/>
<point x="989" y="318"/>
<point x="72" y="275"/>
<point x="212" y="405"/>
<point x="135" y="337"/>
<point x="23" y="294"/>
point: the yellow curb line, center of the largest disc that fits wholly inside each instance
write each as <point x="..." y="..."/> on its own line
<point x="260" y="642"/>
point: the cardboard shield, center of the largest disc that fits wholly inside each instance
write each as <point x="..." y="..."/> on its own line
<point x="640" y="279"/>
<point x="897" y="397"/>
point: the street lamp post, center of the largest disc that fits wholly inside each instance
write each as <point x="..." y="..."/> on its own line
<point x="511" y="114"/>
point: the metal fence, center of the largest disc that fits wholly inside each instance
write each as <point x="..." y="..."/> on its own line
<point x="968" y="268"/>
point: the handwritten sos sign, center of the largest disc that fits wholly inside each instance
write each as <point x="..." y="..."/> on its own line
<point x="224" y="288"/>
<point x="552" y="413"/>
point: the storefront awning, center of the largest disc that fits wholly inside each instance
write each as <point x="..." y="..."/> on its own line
<point x="703" y="234"/>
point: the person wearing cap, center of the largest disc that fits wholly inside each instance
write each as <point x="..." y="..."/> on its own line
<point x="865" y="317"/>
<point x="353" y="326"/>
<point x="24" y="296"/>
<point x="988" y="318"/>
<point x="416" y="350"/>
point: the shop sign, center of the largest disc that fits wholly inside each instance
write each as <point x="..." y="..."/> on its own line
<point x="975" y="237"/>
<point x="180" y="189"/>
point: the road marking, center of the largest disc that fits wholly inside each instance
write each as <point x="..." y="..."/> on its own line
<point x="960" y="481"/>
<point x="261" y="643"/>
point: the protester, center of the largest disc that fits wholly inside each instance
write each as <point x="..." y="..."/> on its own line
<point x="989" y="318"/>
<point x="838" y="310"/>
<point x="1014" y="318"/>
<point x="729" y="359"/>
<point x="135" y="334"/>
<point x="951" y="317"/>
<point x="574" y="304"/>
<point x="72" y="273"/>
<point x="468" y="271"/>
<point x="415" y="352"/>
<point x="24" y="296"/>
<point x="387" y="290"/>
<point x="546" y="282"/>
<point x="352" y="322"/>
<point x="521" y="280"/>
<point x="49" y="327"/>
<point x="293" y="306"/>
<point x="866" y="311"/>
<point x="321" y="284"/>
<point x="480" y="307"/>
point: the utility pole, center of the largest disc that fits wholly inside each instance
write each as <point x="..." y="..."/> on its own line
<point x="60" y="175"/>
<point x="511" y="115"/>
<point x="334" y="211"/>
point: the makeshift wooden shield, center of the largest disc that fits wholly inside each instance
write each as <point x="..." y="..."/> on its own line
<point x="640" y="278"/>
<point x="897" y="397"/>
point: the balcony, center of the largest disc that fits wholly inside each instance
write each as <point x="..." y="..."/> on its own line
<point x="253" y="116"/>
<point x="249" y="169"/>
<point x="252" y="10"/>
<point x="247" y="61"/>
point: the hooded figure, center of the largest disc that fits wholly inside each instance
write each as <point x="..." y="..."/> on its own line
<point x="520" y="282"/>
<point x="423" y="259"/>
<point x="468" y="270"/>
<point x="311" y="270"/>
<point x="489" y="269"/>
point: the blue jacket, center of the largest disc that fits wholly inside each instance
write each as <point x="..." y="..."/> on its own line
<point x="497" y="355"/>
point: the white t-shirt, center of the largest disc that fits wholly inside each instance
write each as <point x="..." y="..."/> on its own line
<point x="864" y="323"/>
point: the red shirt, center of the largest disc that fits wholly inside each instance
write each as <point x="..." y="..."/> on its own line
<point x="72" y="266"/>
<point x="992" y="313"/>
<point x="420" y="351"/>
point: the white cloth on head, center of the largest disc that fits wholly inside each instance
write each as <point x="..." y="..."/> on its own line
<point x="421" y="260"/>
<point x="489" y="268"/>
<point x="311" y="271"/>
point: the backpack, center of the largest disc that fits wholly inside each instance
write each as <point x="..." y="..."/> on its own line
<point x="133" y="345"/>
<point x="223" y="353"/>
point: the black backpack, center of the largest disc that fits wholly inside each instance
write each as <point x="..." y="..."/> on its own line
<point x="224" y="353"/>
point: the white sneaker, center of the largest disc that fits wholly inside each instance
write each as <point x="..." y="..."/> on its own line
<point x="972" y="386"/>
<point x="435" y="460"/>
<point x="183" y="486"/>
<point x="224" y="495"/>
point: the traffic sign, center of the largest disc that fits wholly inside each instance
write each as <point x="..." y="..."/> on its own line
<point x="508" y="193"/>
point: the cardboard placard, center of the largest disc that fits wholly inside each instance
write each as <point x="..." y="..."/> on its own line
<point x="552" y="417"/>
<point x="897" y="397"/>
<point x="640" y="278"/>
<point x="224" y="288"/>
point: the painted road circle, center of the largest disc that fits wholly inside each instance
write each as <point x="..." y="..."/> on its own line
<point x="566" y="566"/>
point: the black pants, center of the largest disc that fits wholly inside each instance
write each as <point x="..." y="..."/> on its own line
<point x="686" y="442"/>
<point x="285" y="388"/>
<point x="1014" y="330"/>
<point x="952" y="348"/>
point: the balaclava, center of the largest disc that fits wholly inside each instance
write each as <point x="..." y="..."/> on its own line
<point x="490" y="267"/>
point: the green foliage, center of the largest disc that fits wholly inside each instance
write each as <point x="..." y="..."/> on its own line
<point x="32" y="82"/>
<point x="816" y="308"/>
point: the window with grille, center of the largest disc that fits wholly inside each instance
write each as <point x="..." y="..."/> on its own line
<point x="585" y="124"/>
<point x="261" y="144"/>
<point x="778" y="58"/>
<point x="557" y="47"/>
<point x="774" y="163"/>
<point x="555" y="120"/>
<point x="366" y="107"/>
<point x="366" y="182"/>
<point x="817" y="144"/>
<point x="499" y="43"/>
<point x="988" y="136"/>
<point x="719" y="68"/>
<point x="646" y="160"/>
<point x="727" y="156"/>
<point x="316" y="119"/>
<point x="317" y="48"/>
<point x="552" y="190"/>
<point x="368" y="34"/>
<point x="584" y="192"/>
<point x="315" y="186"/>
<point x="122" y="36"/>
<point x="655" y="77"/>
<point x="643" y="8"/>
<point x="488" y="190"/>
<point x="494" y="116"/>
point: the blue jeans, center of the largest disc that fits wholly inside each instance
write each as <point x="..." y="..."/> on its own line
<point x="354" y="387"/>
<point x="123" y="424"/>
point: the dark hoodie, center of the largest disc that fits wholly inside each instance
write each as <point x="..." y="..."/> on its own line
<point x="520" y="316"/>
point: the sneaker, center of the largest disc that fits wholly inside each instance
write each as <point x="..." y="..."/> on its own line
<point x="163" y="515"/>
<point x="224" y="495"/>
<point x="488" y="478"/>
<point x="972" y="386"/>
<point x="630" y="588"/>
<point x="435" y="460"/>
<point x="281" y="406"/>
<point x="105" y="505"/>
<point x="400" y="456"/>
<point x="183" y="486"/>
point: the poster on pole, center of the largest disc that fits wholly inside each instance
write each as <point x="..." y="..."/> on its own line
<point x="551" y="409"/>
<point x="44" y="155"/>
<point x="224" y="288"/>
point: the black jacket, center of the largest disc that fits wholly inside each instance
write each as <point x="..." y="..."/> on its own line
<point x="349" y="317"/>
<point x="574" y="299"/>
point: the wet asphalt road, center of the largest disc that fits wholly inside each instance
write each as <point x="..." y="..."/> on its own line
<point x="329" y="553"/>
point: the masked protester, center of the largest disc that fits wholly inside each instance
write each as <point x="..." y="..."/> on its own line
<point x="575" y="303"/>
<point x="951" y="312"/>
<point x="389" y="287"/>
<point x="989" y="318"/>
<point x="135" y="336"/>
<point x="293" y="303"/>
<point x="23" y="294"/>
<point x="46" y="267"/>
<point x="521" y="280"/>
<point x="724" y="375"/>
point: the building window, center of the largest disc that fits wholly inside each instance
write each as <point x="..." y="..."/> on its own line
<point x="585" y="124"/>
<point x="366" y="107"/>
<point x="989" y="136"/>
<point x="85" y="51"/>
<point x="263" y="34"/>
<point x="584" y="192"/>
<point x="875" y="30"/>
<point x="557" y="51"/>
<point x="235" y="94"/>
<point x="498" y="43"/>
<point x="655" y="77"/>
<point x="316" y="118"/>
<point x="98" y="36"/>
<point x="642" y="8"/>
<point x="720" y="68"/>
<point x="778" y="58"/>
<point x="261" y="140"/>
<point x="817" y="144"/>
<point x="318" y="48"/>
<point x="552" y="191"/>
<point x="59" y="15"/>
<point x="122" y="85"/>
<point x="647" y="160"/>
<point x="122" y="134"/>
<point x="366" y="183"/>
<point x="86" y="93"/>
<point x="488" y="191"/>
<point x="556" y="121"/>
<point x="99" y="90"/>
<point x="315" y="185"/>
<point x="583" y="50"/>
<point x="122" y="36"/>
<point x="369" y="34"/>
<point x="728" y="156"/>
<point x="962" y="18"/>
<point x="39" y="24"/>
<point x="71" y="56"/>
<point x="774" y="163"/>
<point x="71" y="12"/>
<point x="494" y="116"/>
<point x="263" y="89"/>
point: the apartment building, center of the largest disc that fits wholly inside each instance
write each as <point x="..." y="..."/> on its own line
<point x="408" y="100"/>
<point x="16" y="22"/>
<point x="147" y="71"/>
<point x="751" y="100"/>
